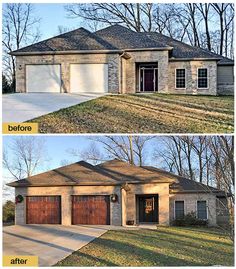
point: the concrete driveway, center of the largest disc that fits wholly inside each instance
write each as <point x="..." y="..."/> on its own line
<point x="20" y="107"/>
<point x="51" y="243"/>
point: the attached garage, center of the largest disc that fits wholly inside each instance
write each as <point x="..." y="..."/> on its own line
<point x="88" y="78"/>
<point x="43" y="210"/>
<point x="91" y="209"/>
<point x="43" y="78"/>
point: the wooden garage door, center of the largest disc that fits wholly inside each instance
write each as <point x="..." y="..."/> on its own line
<point x="43" y="210"/>
<point x="91" y="209"/>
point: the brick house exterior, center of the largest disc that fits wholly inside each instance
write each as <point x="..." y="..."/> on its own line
<point x="142" y="195"/>
<point x="135" y="62"/>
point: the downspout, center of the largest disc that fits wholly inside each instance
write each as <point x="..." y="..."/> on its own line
<point x="121" y="73"/>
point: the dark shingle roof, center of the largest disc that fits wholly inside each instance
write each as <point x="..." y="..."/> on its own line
<point x="117" y="37"/>
<point x="79" y="39"/>
<point x="124" y="38"/>
<point x="183" y="50"/>
<point x="114" y="172"/>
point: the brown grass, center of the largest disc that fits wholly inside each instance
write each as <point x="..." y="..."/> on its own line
<point x="154" y="113"/>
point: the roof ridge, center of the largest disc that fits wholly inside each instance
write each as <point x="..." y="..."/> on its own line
<point x="115" y="25"/>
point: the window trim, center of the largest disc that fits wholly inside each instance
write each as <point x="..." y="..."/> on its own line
<point x="207" y="78"/>
<point x="174" y="207"/>
<point x="206" y="208"/>
<point x="184" y="78"/>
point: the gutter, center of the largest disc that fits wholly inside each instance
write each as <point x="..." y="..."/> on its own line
<point x="63" y="52"/>
<point x="17" y="185"/>
<point x="15" y="53"/>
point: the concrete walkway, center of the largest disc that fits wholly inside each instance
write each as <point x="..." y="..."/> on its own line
<point x="51" y="243"/>
<point x="20" y="107"/>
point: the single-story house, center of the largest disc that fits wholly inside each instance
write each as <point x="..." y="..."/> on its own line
<point x="114" y="193"/>
<point x="118" y="60"/>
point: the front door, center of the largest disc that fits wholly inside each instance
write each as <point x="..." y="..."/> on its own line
<point x="148" y="208"/>
<point x="148" y="79"/>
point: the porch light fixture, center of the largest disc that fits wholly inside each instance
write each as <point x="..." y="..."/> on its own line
<point x="114" y="198"/>
<point x="20" y="67"/>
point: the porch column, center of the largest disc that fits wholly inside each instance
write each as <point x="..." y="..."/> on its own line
<point x="66" y="206"/>
<point x="164" y="208"/>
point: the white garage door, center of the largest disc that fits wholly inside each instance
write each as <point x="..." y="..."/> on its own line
<point x="43" y="78"/>
<point x="89" y="78"/>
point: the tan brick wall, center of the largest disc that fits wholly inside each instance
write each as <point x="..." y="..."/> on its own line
<point x="190" y="204"/>
<point x="191" y="77"/>
<point x="162" y="189"/>
<point x="112" y="60"/>
<point x="65" y="192"/>
<point x="130" y="79"/>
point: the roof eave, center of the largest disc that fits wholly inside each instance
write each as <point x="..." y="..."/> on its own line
<point x="17" y="185"/>
<point x="226" y="63"/>
<point x="152" y="49"/>
<point x="194" y="191"/>
<point x="25" y="53"/>
<point x="193" y="59"/>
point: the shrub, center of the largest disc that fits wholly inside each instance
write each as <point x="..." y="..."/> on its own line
<point x="190" y="220"/>
<point x="7" y="87"/>
<point x="8" y="212"/>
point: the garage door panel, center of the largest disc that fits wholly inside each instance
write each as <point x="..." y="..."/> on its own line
<point x="43" y="210"/>
<point x="89" y="78"/>
<point x="92" y="209"/>
<point x="43" y="78"/>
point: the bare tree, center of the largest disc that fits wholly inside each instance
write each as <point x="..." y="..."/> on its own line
<point x="209" y="26"/>
<point x="131" y="149"/>
<point x="221" y="10"/>
<point x="23" y="156"/>
<point x="20" y="28"/>
<point x="205" y="10"/>
<point x="135" y="16"/>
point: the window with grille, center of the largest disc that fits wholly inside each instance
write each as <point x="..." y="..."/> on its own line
<point x="180" y="79"/>
<point x="202" y="78"/>
<point x="179" y="209"/>
<point x="201" y="210"/>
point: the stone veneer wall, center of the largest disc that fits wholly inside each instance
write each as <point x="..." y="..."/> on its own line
<point x="191" y="77"/>
<point x="65" y="60"/>
<point x="190" y="204"/>
<point x="130" y="84"/>
<point x="65" y="192"/>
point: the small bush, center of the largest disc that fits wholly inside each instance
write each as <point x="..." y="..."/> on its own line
<point x="190" y="220"/>
<point x="8" y="212"/>
<point x="7" y="87"/>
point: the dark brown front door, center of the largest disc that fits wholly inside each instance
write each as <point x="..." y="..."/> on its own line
<point x="43" y="210"/>
<point x="148" y="208"/>
<point x="91" y="209"/>
<point x="148" y="79"/>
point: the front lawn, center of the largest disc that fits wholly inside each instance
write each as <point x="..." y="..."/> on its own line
<point x="144" y="113"/>
<point x="166" y="246"/>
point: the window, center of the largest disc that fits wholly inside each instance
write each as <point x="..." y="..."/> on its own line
<point x="201" y="210"/>
<point x="202" y="78"/>
<point x="180" y="79"/>
<point x="179" y="209"/>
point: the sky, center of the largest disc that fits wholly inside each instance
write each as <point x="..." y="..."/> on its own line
<point x="53" y="15"/>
